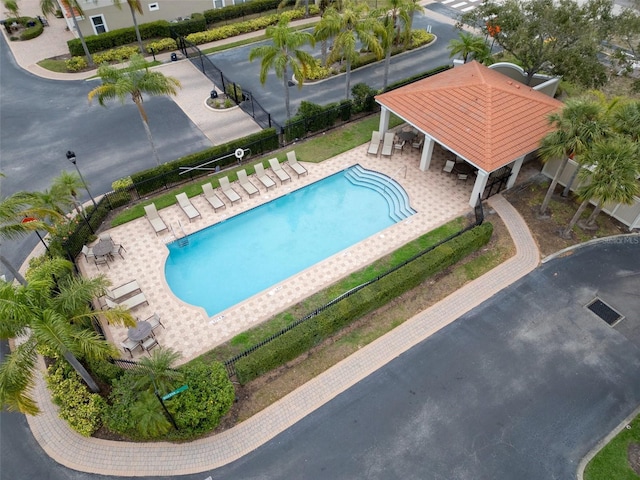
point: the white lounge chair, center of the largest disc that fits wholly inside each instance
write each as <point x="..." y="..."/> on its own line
<point x="387" y="145"/>
<point x="265" y="179"/>
<point x="246" y="184"/>
<point x="278" y="170"/>
<point x="130" y="303"/>
<point x="448" y="166"/>
<point x="187" y="207"/>
<point x="293" y="163"/>
<point x="229" y="192"/>
<point x="154" y="218"/>
<point x="213" y="199"/>
<point x="374" y="146"/>
<point x="123" y="290"/>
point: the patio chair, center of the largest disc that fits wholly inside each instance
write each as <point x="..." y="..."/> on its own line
<point x="149" y="343"/>
<point x="463" y="177"/>
<point x="154" y="218"/>
<point x="102" y="260"/>
<point x="293" y="163"/>
<point x="86" y="251"/>
<point x="130" y="345"/>
<point x="279" y="171"/>
<point x="187" y="207"/>
<point x="399" y="146"/>
<point x="213" y="199"/>
<point x="123" y="290"/>
<point x="448" y="166"/>
<point x="418" y="143"/>
<point x="246" y="184"/>
<point x="374" y="146"/>
<point x="154" y="321"/>
<point x="265" y="179"/>
<point x="387" y="144"/>
<point x="105" y="237"/>
<point x="117" y="249"/>
<point x="228" y="191"/>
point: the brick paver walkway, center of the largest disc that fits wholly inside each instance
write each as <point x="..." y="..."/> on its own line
<point x="132" y="459"/>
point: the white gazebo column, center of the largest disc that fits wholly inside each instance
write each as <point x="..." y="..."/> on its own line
<point x="427" y="151"/>
<point x="478" y="187"/>
<point x="514" y="171"/>
<point x="384" y="120"/>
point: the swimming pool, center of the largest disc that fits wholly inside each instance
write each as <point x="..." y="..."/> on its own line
<point x="237" y="258"/>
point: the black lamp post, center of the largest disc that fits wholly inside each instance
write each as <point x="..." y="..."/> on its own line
<point x="72" y="158"/>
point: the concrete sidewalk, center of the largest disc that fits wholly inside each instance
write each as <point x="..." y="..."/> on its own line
<point x="131" y="459"/>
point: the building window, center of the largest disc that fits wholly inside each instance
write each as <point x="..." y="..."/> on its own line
<point x="98" y="24"/>
<point x="238" y="2"/>
<point x="218" y="3"/>
<point x="153" y="7"/>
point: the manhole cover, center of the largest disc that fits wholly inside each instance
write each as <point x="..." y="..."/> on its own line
<point x="604" y="311"/>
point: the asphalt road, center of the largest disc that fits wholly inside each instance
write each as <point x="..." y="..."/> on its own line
<point x="236" y="66"/>
<point x="41" y="119"/>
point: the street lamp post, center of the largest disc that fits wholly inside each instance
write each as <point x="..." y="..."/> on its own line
<point x="72" y="158"/>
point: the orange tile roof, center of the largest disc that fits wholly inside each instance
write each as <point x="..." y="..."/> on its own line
<point x="478" y="113"/>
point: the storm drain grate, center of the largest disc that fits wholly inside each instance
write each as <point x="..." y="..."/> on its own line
<point x="604" y="311"/>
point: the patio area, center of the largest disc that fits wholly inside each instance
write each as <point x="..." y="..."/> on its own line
<point x="436" y="196"/>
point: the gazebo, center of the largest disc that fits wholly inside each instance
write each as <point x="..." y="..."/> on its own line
<point x="484" y="117"/>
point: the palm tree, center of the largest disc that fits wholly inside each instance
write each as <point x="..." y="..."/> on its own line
<point x="50" y="6"/>
<point x="134" y="6"/>
<point x="612" y="177"/>
<point x="13" y="211"/>
<point x="579" y="123"/>
<point x="386" y="34"/>
<point x="284" y="52"/>
<point x="355" y="26"/>
<point x="67" y="184"/>
<point x="467" y="44"/>
<point x="47" y="312"/>
<point x="134" y="81"/>
<point x="626" y="120"/>
<point x="327" y="28"/>
<point x="157" y="371"/>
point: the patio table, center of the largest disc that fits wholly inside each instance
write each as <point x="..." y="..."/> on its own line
<point x="463" y="168"/>
<point x="406" y="136"/>
<point x="141" y="331"/>
<point x="102" y="248"/>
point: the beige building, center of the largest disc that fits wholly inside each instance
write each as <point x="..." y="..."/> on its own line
<point x="103" y="16"/>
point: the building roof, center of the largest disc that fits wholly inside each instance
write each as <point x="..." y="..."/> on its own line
<point x="477" y="113"/>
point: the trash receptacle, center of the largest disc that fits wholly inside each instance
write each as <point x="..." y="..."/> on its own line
<point x="174" y="57"/>
<point x="214" y="94"/>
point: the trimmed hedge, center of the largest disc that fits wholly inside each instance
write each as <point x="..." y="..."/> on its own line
<point x="306" y="335"/>
<point x="236" y="11"/>
<point x="121" y="36"/>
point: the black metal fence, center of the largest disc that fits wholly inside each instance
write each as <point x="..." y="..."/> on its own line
<point x="230" y="364"/>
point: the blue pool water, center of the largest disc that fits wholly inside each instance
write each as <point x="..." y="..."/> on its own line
<point x="233" y="260"/>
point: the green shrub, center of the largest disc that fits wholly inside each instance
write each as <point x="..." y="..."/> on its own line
<point x="363" y="97"/>
<point x="119" y="37"/>
<point x="32" y="32"/>
<point x="75" y="64"/>
<point x="198" y="409"/>
<point x="115" y="55"/>
<point x="122" y="183"/>
<point x="117" y="415"/>
<point x="104" y="370"/>
<point x="240" y="10"/>
<point x="420" y="38"/>
<point x="316" y="71"/>
<point x="162" y="45"/>
<point x="233" y="90"/>
<point x="301" y="338"/>
<point x="196" y="23"/>
<point x="81" y="409"/>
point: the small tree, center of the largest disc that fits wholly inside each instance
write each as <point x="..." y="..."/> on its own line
<point x="467" y="44"/>
<point x="50" y="6"/>
<point x="134" y="81"/>
<point x="12" y="8"/>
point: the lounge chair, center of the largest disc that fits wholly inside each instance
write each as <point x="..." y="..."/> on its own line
<point x="123" y="290"/>
<point x="87" y="252"/>
<point x="278" y="170"/>
<point x="228" y="191"/>
<point x="154" y="219"/>
<point x="374" y="146"/>
<point x="187" y="207"/>
<point x="387" y="145"/>
<point x="246" y="184"/>
<point x="130" y="303"/>
<point x="265" y="179"/>
<point x="213" y="199"/>
<point x="295" y="166"/>
<point x="448" y="166"/>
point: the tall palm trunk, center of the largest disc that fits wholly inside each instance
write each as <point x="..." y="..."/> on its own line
<point x="567" y="231"/>
<point x="137" y="99"/>
<point x="567" y="188"/>
<point x="81" y="37"/>
<point x="78" y="367"/>
<point x="387" y="62"/>
<point x="285" y="77"/>
<point x="591" y="221"/>
<point x="135" y="24"/>
<point x="552" y="187"/>
<point x="348" y="86"/>
<point x="13" y="271"/>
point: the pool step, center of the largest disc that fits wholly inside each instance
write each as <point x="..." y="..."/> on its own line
<point x="393" y="193"/>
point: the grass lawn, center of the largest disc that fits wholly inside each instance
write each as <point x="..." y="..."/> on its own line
<point x="612" y="462"/>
